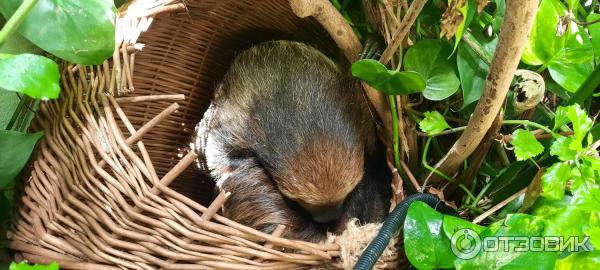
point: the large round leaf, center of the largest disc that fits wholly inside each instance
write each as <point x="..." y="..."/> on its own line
<point x="33" y="75"/>
<point x="390" y="82"/>
<point x="81" y="32"/>
<point x="568" y="57"/>
<point x="425" y="243"/>
<point x="430" y="59"/>
<point x="16" y="148"/>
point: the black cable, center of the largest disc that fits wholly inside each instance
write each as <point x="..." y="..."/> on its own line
<point x="392" y="224"/>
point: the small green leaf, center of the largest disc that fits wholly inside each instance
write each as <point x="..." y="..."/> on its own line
<point x="425" y="244"/>
<point x="561" y="117"/>
<point x="582" y="124"/>
<point x="26" y="266"/>
<point x="433" y="123"/>
<point x="430" y="59"/>
<point x="81" y="32"/>
<point x="390" y="82"/>
<point x="469" y="12"/>
<point x="526" y="145"/>
<point x="580" y="260"/>
<point x="560" y="147"/>
<point x="16" y="147"/>
<point x="554" y="180"/>
<point x="33" y="75"/>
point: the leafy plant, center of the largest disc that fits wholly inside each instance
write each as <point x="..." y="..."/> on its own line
<point x="430" y="59"/>
<point x="389" y="82"/>
<point x="26" y="266"/>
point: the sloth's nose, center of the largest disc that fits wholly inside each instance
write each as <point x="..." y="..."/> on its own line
<point x="328" y="213"/>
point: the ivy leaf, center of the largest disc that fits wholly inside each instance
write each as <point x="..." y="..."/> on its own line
<point x="390" y="82"/>
<point x="554" y="180"/>
<point x="81" y="32"/>
<point x="26" y="266"/>
<point x="581" y="125"/>
<point x="561" y="148"/>
<point x="33" y="75"/>
<point x="568" y="57"/>
<point x="423" y="234"/>
<point x="561" y="117"/>
<point x="472" y="70"/>
<point x="430" y="59"/>
<point x="580" y="260"/>
<point x="433" y="123"/>
<point x="16" y="147"/>
<point x="526" y="145"/>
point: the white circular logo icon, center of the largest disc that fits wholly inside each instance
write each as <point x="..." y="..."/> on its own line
<point x="466" y="244"/>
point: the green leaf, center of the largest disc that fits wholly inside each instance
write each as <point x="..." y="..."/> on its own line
<point x="508" y="257"/>
<point x="499" y="15"/>
<point x="430" y="59"/>
<point x="580" y="260"/>
<point x="425" y="244"/>
<point x="594" y="30"/>
<point x="453" y="224"/>
<point x="17" y="44"/>
<point x="81" y="32"/>
<point x="33" y="75"/>
<point x="390" y="82"/>
<point x="472" y="69"/>
<point x="560" y="147"/>
<point x="562" y="219"/>
<point x="8" y="104"/>
<point x="594" y="233"/>
<point x="526" y="145"/>
<point x="26" y="266"/>
<point x="469" y="12"/>
<point x="433" y="123"/>
<point x="568" y="57"/>
<point x="581" y="125"/>
<point x="16" y="147"/>
<point x="554" y="180"/>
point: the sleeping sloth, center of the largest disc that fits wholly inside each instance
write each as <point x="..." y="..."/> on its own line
<point x="289" y="134"/>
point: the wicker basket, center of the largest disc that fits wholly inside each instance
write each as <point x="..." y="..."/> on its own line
<point x="113" y="185"/>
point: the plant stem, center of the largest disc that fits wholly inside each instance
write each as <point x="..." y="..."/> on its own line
<point x="527" y="123"/>
<point x="476" y="48"/>
<point x="429" y="167"/>
<point x="16" y="19"/>
<point x="395" y="133"/>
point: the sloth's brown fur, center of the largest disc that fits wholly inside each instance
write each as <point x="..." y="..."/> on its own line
<point x="288" y="131"/>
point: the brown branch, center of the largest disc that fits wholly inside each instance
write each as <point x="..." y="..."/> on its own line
<point x="497" y="207"/>
<point x="346" y="40"/>
<point x="513" y="37"/>
<point x="402" y="31"/>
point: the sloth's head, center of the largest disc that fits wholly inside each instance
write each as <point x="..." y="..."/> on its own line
<point x="320" y="176"/>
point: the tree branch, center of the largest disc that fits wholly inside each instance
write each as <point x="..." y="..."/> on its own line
<point x="513" y="37"/>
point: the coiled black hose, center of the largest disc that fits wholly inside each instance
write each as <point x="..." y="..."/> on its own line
<point x="391" y="225"/>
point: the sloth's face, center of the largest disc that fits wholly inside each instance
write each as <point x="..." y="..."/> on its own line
<point x="319" y="179"/>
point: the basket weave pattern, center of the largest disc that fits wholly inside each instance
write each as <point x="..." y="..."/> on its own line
<point x="112" y="186"/>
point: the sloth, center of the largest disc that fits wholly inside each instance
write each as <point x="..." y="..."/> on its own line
<point x="290" y="135"/>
